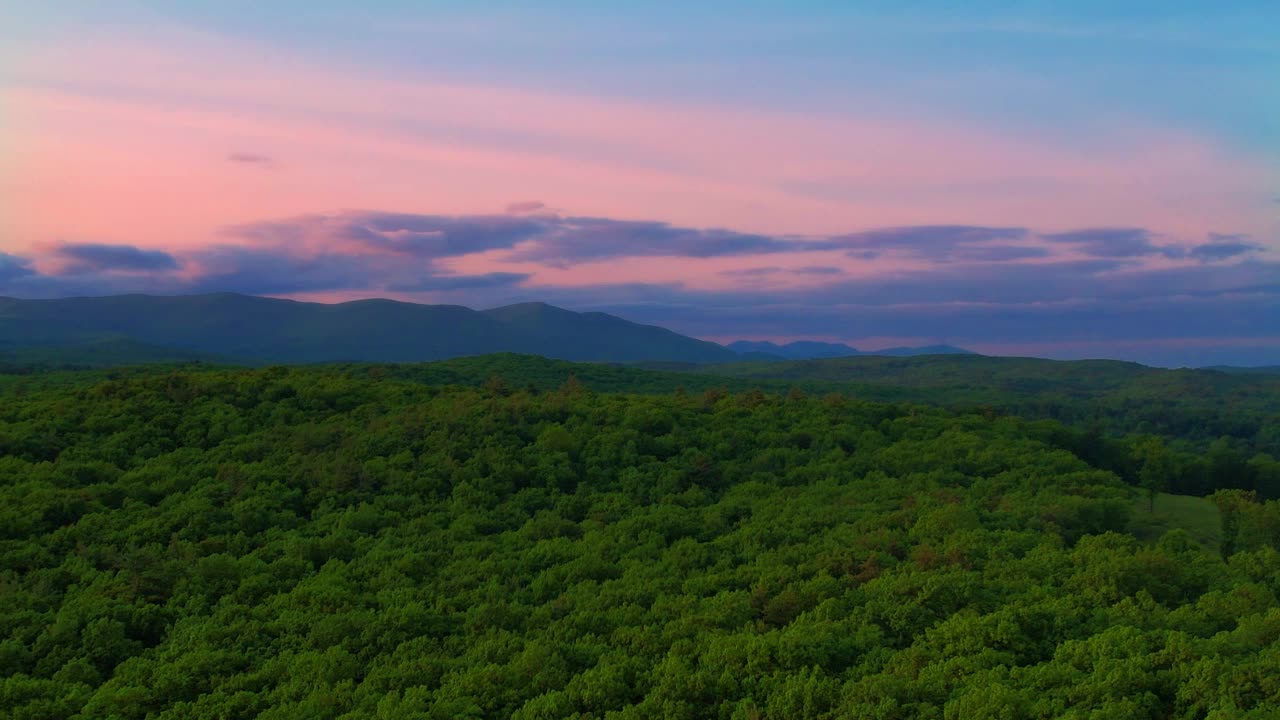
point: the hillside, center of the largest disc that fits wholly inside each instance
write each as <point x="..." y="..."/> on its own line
<point x="1256" y="370"/>
<point x="113" y="352"/>
<point x="1030" y="375"/>
<point x="302" y="543"/>
<point x="258" y="330"/>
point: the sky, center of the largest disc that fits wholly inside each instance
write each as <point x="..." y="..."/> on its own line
<point x="1068" y="180"/>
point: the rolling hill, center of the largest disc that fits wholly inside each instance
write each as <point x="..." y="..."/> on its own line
<point x="256" y="330"/>
<point x="1238" y="370"/>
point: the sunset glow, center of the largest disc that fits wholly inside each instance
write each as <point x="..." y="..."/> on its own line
<point x="1095" y="201"/>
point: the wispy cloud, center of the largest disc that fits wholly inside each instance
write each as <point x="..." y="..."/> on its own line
<point x="819" y="270"/>
<point x="528" y="206"/>
<point x="437" y="283"/>
<point x="428" y="236"/>
<point x="249" y="158"/>
<point x="753" y="272"/>
<point x="941" y="243"/>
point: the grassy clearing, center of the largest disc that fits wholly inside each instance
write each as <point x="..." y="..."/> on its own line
<point x="1196" y="515"/>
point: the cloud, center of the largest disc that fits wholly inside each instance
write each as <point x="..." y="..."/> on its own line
<point x="528" y="206"/>
<point x="1113" y="242"/>
<point x="926" y="237"/>
<point x="561" y="242"/>
<point x="442" y="236"/>
<point x="248" y="158"/>
<point x="13" y="267"/>
<point x="977" y="283"/>
<point x="978" y="289"/>
<point x="578" y="239"/>
<point x="1099" y="301"/>
<point x="819" y="270"/>
<point x="940" y="243"/>
<point x="436" y="283"/>
<point x="542" y="238"/>
<point x="960" y="286"/>
<point x="270" y="271"/>
<point x="751" y="272"/>
<point x="1223" y="247"/>
<point x="424" y="236"/>
<point x="98" y="257"/>
<point x="998" y="253"/>
<point x="756" y="272"/>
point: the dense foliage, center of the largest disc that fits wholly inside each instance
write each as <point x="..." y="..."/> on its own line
<point x="328" y="543"/>
<point x="1115" y="397"/>
<point x="1183" y="431"/>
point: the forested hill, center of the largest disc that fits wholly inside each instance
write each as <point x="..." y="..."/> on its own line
<point x="1217" y="430"/>
<point x="1110" y="395"/>
<point x="340" y="543"/>
<point x="268" y="330"/>
<point x="1256" y="370"/>
<point x="1194" y="410"/>
<point x="985" y="375"/>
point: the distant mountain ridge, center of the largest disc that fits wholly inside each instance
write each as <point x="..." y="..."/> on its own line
<point x="799" y="350"/>
<point x="1245" y="370"/>
<point x="813" y="350"/>
<point x="258" y="329"/>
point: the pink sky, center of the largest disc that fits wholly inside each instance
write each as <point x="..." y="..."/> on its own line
<point x="127" y="143"/>
<point x="167" y="142"/>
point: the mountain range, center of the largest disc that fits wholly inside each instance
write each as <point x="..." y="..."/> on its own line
<point x="233" y="328"/>
<point x="255" y="329"/>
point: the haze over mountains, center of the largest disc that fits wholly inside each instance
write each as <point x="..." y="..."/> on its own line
<point x="233" y="327"/>
<point x="811" y="350"/>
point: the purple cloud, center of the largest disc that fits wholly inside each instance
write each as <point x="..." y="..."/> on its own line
<point x="13" y="267"/>
<point x="1113" y="242"/>
<point x="755" y="272"/>
<point x="426" y="236"/>
<point x="1223" y="247"/>
<point x="436" y="283"/>
<point x="998" y="253"/>
<point x="442" y="236"/>
<point x="970" y="293"/>
<point x="751" y="272"/>
<point x="940" y="243"/>
<point x="98" y="257"/>
<point x="578" y="239"/>
<point x="271" y="272"/>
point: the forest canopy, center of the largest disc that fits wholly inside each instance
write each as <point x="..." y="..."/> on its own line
<point x="353" y="543"/>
